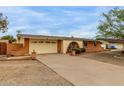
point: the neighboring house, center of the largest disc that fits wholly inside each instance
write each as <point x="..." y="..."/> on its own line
<point x="51" y="44"/>
<point x="112" y="43"/>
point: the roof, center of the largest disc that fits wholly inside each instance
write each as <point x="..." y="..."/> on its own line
<point x="52" y="37"/>
<point x="114" y="40"/>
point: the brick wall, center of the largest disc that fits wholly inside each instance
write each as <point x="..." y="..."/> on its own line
<point x="13" y="47"/>
<point x="91" y="48"/>
<point x="3" y="48"/>
<point x="18" y="49"/>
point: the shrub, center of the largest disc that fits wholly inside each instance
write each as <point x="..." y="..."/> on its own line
<point x="79" y="50"/>
<point x="83" y="50"/>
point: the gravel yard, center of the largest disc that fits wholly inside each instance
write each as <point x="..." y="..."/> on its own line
<point x="29" y="72"/>
<point x="113" y="57"/>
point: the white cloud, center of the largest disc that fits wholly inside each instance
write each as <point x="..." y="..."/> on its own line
<point x="20" y="19"/>
<point x="34" y="22"/>
<point x="22" y="11"/>
<point x="85" y="31"/>
<point x="79" y="33"/>
<point x="41" y="32"/>
<point x="21" y="15"/>
<point x="89" y="30"/>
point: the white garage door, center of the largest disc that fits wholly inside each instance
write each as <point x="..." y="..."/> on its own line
<point x="42" y="47"/>
<point x="117" y="45"/>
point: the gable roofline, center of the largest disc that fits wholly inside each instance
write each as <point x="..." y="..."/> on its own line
<point x="52" y="37"/>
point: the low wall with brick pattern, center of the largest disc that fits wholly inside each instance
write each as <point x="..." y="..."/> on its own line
<point x="91" y="48"/>
<point x="13" y="47"/>
<point x="18" y="49"/>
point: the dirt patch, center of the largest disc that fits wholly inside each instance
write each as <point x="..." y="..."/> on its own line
<point x="114" y="57"/>
<point x="28" y="72"/>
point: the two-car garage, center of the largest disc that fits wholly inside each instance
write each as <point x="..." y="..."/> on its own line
<point x="43" y="46"/>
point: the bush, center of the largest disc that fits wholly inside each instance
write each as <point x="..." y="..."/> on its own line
<point x="83" y="50"/>
<point x="79" y="50"/>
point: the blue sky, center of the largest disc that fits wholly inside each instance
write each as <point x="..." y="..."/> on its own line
<point x="60" y="21"/>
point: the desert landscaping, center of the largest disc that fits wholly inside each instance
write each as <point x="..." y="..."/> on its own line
<point x="111" y="57"/>
<point x="29" y="72"/>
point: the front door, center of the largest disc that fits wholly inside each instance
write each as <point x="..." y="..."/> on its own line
<point x="59" y="46"/>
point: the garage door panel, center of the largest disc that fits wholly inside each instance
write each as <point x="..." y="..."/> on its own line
<point x="117" y="45"/>
<point x="41" y="48"/>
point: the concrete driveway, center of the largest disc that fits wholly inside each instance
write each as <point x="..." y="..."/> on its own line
<point x="83" y="71"/>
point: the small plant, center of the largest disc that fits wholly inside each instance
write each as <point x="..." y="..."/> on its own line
<point x="33" y="55"/>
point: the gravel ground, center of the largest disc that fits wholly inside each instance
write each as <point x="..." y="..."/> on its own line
<point x="29" y="72"/>
<point x="114" y="57"/>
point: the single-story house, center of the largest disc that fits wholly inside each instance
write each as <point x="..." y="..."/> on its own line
<point x="51" y="44"/>
<point x="112" y="43"/>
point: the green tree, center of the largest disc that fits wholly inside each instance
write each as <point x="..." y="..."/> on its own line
<point x="9" y="37"/>
<point x="3" y="23"/>
<point x="112" y="26"/>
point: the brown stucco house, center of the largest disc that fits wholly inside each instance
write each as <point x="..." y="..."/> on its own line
<point x="51" y="44"/>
